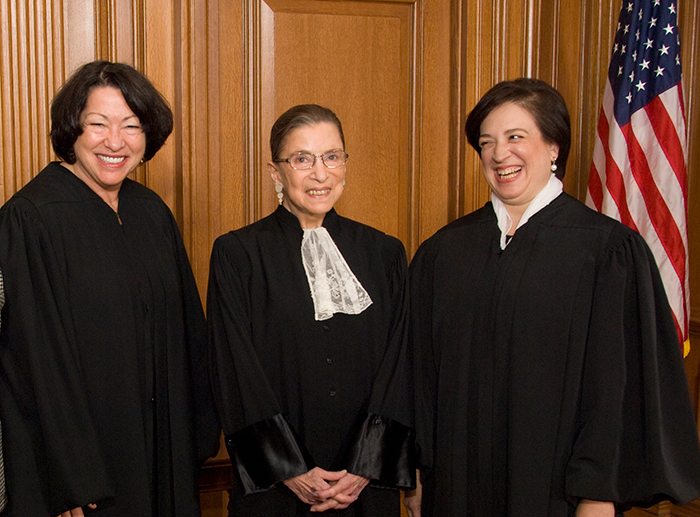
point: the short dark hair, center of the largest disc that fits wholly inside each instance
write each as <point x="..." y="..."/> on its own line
<point x="297" y="116"/>
<point x="544" y="103"/>
<point x="141" y="96"/>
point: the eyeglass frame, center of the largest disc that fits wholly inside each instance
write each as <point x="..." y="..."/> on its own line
<point x="316" y="156"/>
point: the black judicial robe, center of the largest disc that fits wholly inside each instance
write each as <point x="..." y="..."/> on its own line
<point x="294" y="393"/>
<point x="104" y="393"/>
<point x="547" y="372"/>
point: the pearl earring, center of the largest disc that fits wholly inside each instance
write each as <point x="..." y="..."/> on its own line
<point x="280" y="193"/>
<point x="554" y="166"/>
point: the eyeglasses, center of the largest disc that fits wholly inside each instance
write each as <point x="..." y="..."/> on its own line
<point x="304" y="161"/>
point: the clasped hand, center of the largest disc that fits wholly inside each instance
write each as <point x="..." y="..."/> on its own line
<point x="325" y="490"/>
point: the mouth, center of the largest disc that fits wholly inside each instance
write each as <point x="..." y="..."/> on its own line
<point x="508" y="172"/>
<point x="111" y="160"/>
<point x="319" y="192"/>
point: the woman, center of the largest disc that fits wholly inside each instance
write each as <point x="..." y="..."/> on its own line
<point x="546" y="323"/>
<point x="307" y="314"/>
<point x="104" y="394"/>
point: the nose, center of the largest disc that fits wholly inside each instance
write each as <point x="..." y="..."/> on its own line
<point x="500" y="151"/>
<point x="113" y="139"/>
<point x="319" y="170"/>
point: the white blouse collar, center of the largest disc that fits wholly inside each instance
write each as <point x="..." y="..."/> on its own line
<point x="549" y="193"/>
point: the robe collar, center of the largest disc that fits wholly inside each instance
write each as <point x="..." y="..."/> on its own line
<point x="289" y="221"/>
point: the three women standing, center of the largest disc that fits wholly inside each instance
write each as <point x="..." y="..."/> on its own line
<point x="548" y="377"/>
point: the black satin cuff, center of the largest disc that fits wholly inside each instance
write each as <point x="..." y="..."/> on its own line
<point x="384" y="453"/>
<point x="266" y="453"/>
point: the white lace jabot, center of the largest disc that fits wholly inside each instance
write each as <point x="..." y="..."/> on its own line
<point x="549" y="193"/>
<point x="334" y="287"/>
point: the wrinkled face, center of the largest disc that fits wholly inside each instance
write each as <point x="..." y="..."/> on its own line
<point x="112" y="143"/>
<point x="515" y="158"/>
<point x="310" y="194"/>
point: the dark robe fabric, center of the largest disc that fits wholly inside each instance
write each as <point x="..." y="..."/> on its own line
<point x="294" y="393"/>
<point x="104" y="391"/>
<point x="547" y="372"/>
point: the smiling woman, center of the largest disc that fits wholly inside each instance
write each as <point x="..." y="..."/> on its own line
<point x="105" y="342"/>
<point x="548" y="325"/>
<point x="111" y="145"/>
<point x="307" y="311"/>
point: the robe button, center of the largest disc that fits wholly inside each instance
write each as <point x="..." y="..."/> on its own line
<point x="377" y="420"/>
<point x="329" y="360"/>
<point x="331" y="393"/>
<point x="326" y="328"/>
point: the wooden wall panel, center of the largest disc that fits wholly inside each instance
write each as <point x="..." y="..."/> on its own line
<point x="31" y="65"/>
<point x="437" y="143"/>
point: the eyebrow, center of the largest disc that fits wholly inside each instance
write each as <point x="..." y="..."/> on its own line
<point x="507" y="131"/>
<point x="97" y="114"/>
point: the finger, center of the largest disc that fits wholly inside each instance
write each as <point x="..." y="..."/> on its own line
<point x="325" y="505"/>
<point x="345" y="499"/>
<point x="349" y="484"/>
<point x="340" y="486"/>
<point x="328" y="475"/>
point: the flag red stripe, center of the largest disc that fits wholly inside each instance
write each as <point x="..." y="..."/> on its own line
<point x="595" y="188"/>
<point x="667" y="135"/>
<point x="613" y="177"/>
<point x="659" y="214"/>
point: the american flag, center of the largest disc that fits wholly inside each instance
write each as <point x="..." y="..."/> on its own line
<point x="638" y="175"/>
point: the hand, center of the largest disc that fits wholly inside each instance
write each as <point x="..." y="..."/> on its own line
<point x="77" y="512"/>
<point x="307" y="485"/>
<point x="589" y="508"/>
<point x="341" y="494"/>
<point x="412" y="499"/>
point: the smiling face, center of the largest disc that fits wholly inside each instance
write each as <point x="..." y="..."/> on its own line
<point x="515" y="158"/>
<point x="111" y="145"/>
<point x="310" y="194"/>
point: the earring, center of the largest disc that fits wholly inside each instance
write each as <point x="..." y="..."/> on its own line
<point x="554" y="167"/>
<point x="280" y="193"/>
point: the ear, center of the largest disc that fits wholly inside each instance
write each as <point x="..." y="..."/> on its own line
<point x="554" y="152"/>
<point x="274" y="172"/>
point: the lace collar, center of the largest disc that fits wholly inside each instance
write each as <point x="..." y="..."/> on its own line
<point x="334" y="287"/>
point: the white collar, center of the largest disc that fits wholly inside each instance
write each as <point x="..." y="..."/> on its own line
<point x="549" y="193"/>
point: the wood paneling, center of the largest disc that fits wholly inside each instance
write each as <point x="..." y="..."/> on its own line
<point x="401" y="74"/>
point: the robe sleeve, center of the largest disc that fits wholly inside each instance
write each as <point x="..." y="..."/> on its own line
<point x="206" y="423"/>
<point x="636" y="442"/>
<point x="383" y="449"/>
<point x="45" y="377"/>
<point x="260" y="442"/>
<point x="424" y="358"/>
